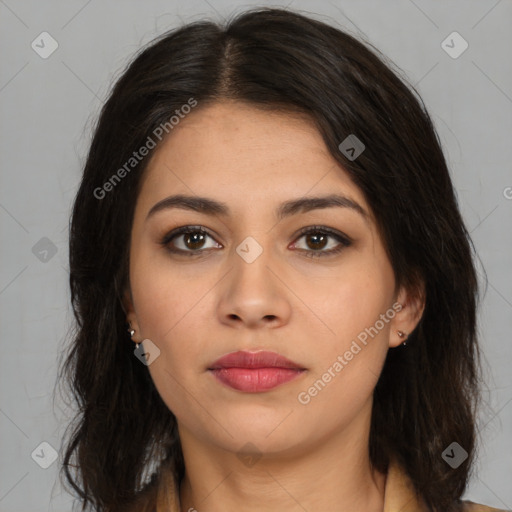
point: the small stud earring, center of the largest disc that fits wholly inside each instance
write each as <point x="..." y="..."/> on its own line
<point x="402" y="334"/>
<point x="132" y="332"/>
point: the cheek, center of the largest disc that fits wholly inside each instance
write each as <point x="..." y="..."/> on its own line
<point x="352" y="300"/>
<point x="350" y="358"/>
<point x="348" y="364"/>
<point x="162" y="312"/>
<point x="170" y="308"/>
<point x="164" y="293"/>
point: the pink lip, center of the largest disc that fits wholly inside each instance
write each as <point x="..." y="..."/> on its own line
<point x="254" y="372"/>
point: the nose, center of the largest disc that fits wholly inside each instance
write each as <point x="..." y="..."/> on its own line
<point x="254" y="295"/>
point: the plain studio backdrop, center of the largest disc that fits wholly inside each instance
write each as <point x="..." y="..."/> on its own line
<point x="59" y="60"/>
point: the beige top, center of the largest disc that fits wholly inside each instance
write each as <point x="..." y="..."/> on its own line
<point x="399" y="496"/>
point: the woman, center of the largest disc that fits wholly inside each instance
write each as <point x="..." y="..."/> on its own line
<point x="273" y="285"/>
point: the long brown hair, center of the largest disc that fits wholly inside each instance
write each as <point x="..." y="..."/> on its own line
<point x="271" y="58"/>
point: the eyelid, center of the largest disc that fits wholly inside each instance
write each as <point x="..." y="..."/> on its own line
<point x="325" y="229"/>
<point x="183" y="230"/>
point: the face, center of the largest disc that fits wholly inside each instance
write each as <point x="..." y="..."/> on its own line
<point x="260" y="272"/>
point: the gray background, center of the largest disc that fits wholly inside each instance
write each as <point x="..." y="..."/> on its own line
<point x="48" y="106"/>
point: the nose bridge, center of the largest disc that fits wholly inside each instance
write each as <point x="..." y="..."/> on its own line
<point x="251" y="259"/>
<point x="251" y="293"/>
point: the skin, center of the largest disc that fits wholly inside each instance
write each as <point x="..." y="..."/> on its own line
<point x="314" y="456"/>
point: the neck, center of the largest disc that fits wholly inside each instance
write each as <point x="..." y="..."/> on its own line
<point x="330" y="475"/>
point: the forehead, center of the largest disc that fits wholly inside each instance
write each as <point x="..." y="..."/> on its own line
<point x="238" y="152"/>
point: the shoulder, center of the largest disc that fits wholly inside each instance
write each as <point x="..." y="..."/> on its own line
<point x="400" y="494"/>
<point x="469" y="506"/>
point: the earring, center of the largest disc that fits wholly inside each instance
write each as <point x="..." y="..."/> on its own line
<point x="402" y="334"/>
<point x="132" y="332"/>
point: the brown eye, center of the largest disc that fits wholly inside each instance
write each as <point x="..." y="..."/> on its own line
<point x="188" y="240"/>
<point x="194" y="240"/>
<point x="317" y="239"/>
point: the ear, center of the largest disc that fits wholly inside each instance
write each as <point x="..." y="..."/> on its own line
<point x="408" y="314"/>
<point x="131" y="317"/>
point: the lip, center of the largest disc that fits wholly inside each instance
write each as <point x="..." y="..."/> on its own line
<point x="261" y="359"/>
<point x="255" y="372"/>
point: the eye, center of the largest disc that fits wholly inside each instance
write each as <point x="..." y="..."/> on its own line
<point x="317" y="239"/>
<point x="188" y="239"/>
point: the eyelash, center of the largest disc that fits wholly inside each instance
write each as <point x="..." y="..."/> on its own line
<point x="344" y="241"/>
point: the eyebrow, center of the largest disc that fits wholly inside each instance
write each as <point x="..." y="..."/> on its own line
<point x="210" y="206"/>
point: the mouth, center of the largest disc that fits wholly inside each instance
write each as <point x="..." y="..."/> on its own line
<point x="255" y="372"/>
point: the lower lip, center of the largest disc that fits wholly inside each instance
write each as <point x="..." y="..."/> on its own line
<point x="255" y="380"/>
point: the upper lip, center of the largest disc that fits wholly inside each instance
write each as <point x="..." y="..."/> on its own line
<point x="262" y="359"/>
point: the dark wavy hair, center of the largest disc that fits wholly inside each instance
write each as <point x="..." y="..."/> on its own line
<point x="427" y="394"/>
